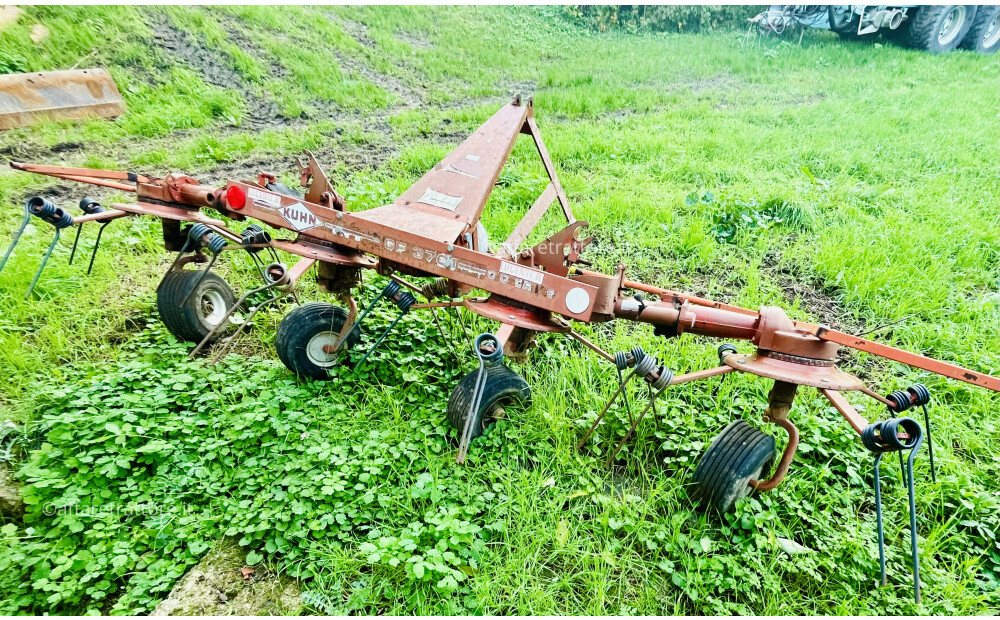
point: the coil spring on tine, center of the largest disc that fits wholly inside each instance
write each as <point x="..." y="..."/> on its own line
<point x="405" y="301"/>
<point x="216" y="243"/>
<point x="196" y="232"/>
<point x="61" y="219"/>
<point x="663" y="380"/>
<point x="637" y="354"/>
<point x="435" y="289"/>
<point x="90" y="206"/>
<point x="913" y="396"/>
<point x="40" y="207"/>
<point x="645" y="366"/>
<point x="254" y="234"/>
<point x="921" y="394"/>
<point x="49" y="212"/>
<point x="621" y="360"/>
<point x="881" y="436"/>
<point x="391" y="289"/>
<point x="492" y="357"/>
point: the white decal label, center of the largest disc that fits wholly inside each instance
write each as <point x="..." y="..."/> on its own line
<point x="450" y="168"/>
<point x="521" y="272"/>
<point x="299" y="216"/>
<point x="264" y="199"/>
<point x="437" y="199"/>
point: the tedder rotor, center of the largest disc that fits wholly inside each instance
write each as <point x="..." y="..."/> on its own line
<point x="433" y="230"/>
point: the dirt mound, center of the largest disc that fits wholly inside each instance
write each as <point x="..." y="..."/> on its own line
<point x="223" y="585"/>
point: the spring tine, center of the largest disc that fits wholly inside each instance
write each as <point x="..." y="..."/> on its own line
<point x="628" y="406"/>
<point x="232" y="339"/>
<point x="173" y="265"/>
<point x="48" y="253"/>
<point x="614" y="397"/>
<point x="477" y="398"/>
<point x="913" y="524"/>
<point x="230" y="312"/>
<point x="76" y="240"/>
<point x="97" y="244"/>
<point x="621" y="444"/>
<point x="930" y="443"/>
<point x="17" y="237"/>
<point x="382" y="337"/>
<point x="357" y="322"/>
<point x="204" y="272"/>
<point x="878" y="517"/>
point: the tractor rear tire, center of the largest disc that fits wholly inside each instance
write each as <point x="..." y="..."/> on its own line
<point x="503" y="387"/>
<point x="984" y="35"/>
<point x="208" y="299"/>
<point x="739" y="453"/>
<point x="940" y="28"/>
<point x="305" y="335"/>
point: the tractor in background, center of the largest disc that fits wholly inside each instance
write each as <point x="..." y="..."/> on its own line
<point x="934" y="28"/>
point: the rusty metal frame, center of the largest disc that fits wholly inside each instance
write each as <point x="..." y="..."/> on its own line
<point x="432" y="229"/>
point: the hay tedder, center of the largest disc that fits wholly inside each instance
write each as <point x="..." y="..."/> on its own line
<point x="433" y="230"/>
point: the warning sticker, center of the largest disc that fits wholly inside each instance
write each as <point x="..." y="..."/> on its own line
<point x="437" y="199"/>
<point x="264" y="199"/>
<point x="521" y="272"/>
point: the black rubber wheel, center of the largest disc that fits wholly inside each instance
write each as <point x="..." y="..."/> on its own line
<point x="503" y="387"/>
<point x="303" y="334"/>
<point x="940" y="28"/>
<point x="203" y="309"/>
<point x="984" y="35"/>
<point x="738" y="454"/>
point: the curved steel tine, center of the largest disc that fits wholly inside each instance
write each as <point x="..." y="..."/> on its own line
<point x="76" y="240"/>
<point x="232" y="339"/>
<point x="230" y="312"/>
<point x="614" y="397"/>
<point x="17" y="237"/>
<point x="45" y="260"/>
<point x="204" y="272"/>
<point x="97" y="244"/>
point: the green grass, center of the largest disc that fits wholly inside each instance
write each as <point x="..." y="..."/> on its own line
<point x="846" y="183"/>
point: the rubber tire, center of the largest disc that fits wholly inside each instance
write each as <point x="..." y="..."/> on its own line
<point x="738" y="454"/>
<point x="186" y="322"/>
<point x="502" y="385"/>
<point x="299" y="327"/>
<point x="922" y="32"/>
<point x="974" y="38"/>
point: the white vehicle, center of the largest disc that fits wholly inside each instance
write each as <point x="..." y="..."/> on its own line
<point x="935" y="28"/>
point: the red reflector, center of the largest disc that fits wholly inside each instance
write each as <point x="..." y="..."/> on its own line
<point x="235" y="197"/>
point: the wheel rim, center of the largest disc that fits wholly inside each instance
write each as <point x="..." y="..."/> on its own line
<point x="321" y="349"/>
<point x="213" y="307"/>
<point x="951" y="25"/>
<point x="494" y="413"/>
<point x="992" y="33"/>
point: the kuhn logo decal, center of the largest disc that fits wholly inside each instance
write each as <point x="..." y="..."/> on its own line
<point x="299" y="216"/>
